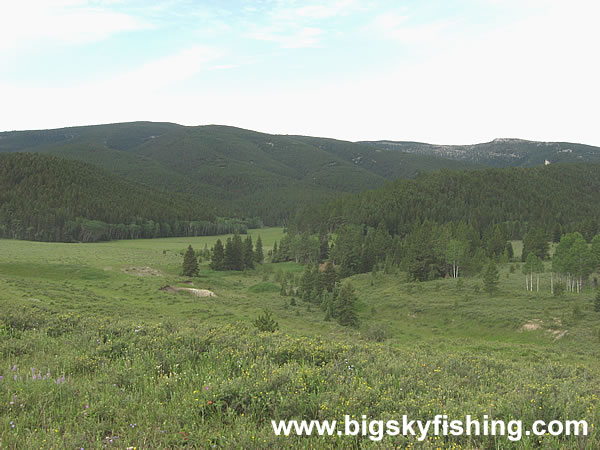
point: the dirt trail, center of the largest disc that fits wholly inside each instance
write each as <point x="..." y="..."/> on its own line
<point x="193" y="291"/>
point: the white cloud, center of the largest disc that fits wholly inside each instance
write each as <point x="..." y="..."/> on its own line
<point x="318" y="11"/>
<point x="300" y="26"/>
<point x="397" y="27"/>
<point x="28" y="23"/>
<point x="165" y="71"/>
<point x="141" y="94"/>
<point x="535" y="79"/>
<point x="533" y="76"/>
<point x="286" y="38"/>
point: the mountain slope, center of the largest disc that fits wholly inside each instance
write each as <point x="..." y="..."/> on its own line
<point x="499" y="152"/>
<point x="243" y="172"/>
<point x="565" y="195"/>
<point x="47" y="198"/>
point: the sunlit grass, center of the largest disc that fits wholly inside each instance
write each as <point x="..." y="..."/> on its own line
<point x="153" y="369"/>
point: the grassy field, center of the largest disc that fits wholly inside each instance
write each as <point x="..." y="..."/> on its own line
<point x="93" y="354"/>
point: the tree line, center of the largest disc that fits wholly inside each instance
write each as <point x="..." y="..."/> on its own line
<point x="44" y="198"/>
<point x="558" y="199"/>
<point x="236" y="254"/>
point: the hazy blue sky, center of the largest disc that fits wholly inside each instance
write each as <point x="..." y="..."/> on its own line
<point x="440" y="71"/>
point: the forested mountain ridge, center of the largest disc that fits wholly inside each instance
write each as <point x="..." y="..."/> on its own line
<point x="499" y="152"/>
<point x="47" y="198"/>
<point x="243" y="172"/>
<point x="565" y="195"/>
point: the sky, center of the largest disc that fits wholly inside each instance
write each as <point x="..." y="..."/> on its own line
<point x="438" y="71"/>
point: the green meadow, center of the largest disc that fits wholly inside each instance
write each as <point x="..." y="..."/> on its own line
<point x="94" y="354"/>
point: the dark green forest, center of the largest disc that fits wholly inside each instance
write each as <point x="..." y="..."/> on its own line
<point x="45" y="198"/>
<point x="236" y="172"/>
<point x="449" y="223"/>
<point x="514" y="198"/>
<point x="144" y="179"/>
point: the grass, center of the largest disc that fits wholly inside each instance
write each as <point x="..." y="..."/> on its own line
<point x="153" y="369"/>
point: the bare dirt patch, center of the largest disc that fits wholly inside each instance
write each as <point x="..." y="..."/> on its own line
<point x="200" y="292"/>
<point x="558" y="334"/>
<point x="142" y="271"/>
<point x="532" y="325"/>
<point x="537" y="324"/>
<point x="193" y="291"/>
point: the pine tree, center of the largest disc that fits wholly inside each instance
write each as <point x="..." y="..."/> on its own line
<point x="310" y="282"/>
<point x="535" y="241"/>
<point x="266" y="323"/>
<point x="234" y="253"/>
<point x="319" y="282"/>
<point x="284" y="248"/>
<point x="228" y="256"/>
<point x="248" y="253"/>
<point x="491" y="278"/>
<point x="556" y="233"/>
<point x="382" y="241"/>
<point x="275" y="254"/>
<point x="367" y="256"/>
<point x="329" y="276"/>
<point x="190" y="263"/>
<point x="508" y="248"/>
<point x="217" y="261"/>
<point x="259" y="256"/>
<point x="315" y="295"/>
<point x="323" y="245"/>
<point x="496" y="243"/>
<point x="421" y="255"/>
<point x="597" y="302"/>
<point x="345" y="307"/>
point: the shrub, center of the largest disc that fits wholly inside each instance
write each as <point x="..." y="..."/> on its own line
<point x="377" y="334"/>
<point x="577" y="313"/>
<point x="266" y="323"/>
<point x="559" y="289"/>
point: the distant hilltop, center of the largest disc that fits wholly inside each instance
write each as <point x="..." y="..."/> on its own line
<point x="501" y="152"/>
